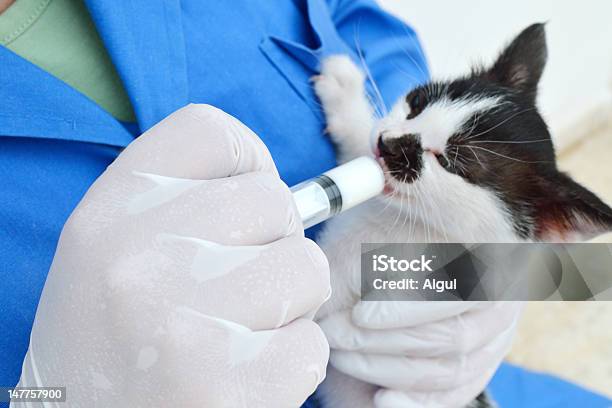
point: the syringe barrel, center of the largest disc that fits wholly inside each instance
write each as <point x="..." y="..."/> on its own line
<point x="338" y="189"/>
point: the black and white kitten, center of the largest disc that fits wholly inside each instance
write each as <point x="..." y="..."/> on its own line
<point x="469" y="160"/>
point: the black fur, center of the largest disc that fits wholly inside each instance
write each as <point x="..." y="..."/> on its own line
<point x="521" y="64"/>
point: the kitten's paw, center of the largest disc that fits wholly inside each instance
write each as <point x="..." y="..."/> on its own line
<point x="340" y="80"/>
<point x="341" y="90"/>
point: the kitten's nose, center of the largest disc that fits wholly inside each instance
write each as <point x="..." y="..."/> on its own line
<point x="398" y="146"/>
<point x="402" y="155"/>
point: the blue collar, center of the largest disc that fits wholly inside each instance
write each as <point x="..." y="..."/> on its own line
<point x="36" y="104"/>
<point x="151" y="62"/>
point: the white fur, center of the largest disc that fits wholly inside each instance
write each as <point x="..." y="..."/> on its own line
<point x="437" y="207"/>
<point x="340" y="88"/>
<point x="438" y="121"/>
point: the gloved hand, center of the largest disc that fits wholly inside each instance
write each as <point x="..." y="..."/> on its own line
<point x="423" y="354"/>
<point x="183" y="279"/>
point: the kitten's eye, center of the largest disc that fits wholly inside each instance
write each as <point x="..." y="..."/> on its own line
<point x="416" y="101"/>
<point x="443" y="161"/>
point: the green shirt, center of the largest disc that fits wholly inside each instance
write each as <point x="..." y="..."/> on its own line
<point x="59" y="37"/>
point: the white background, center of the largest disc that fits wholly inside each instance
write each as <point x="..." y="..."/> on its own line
<point x="578" y="77"/>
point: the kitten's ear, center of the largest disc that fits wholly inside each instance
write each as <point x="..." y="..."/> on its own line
<point x="570" y="212"/>
<point x="520" y="65"/>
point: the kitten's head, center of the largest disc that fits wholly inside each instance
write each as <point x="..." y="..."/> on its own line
<point x="473" y="157"/>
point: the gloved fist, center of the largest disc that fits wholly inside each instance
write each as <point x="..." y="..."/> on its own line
<point x="183" y="278"/>
<point x="423" y="354"/>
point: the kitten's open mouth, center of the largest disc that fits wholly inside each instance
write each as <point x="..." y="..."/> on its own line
<point x="388" y="189"/>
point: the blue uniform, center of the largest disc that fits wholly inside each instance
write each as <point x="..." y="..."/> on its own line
<point x="251" y="58"/>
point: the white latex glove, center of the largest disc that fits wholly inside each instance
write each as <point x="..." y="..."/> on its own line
<point x="182" y="279"/>
<point x="422" y="354"/>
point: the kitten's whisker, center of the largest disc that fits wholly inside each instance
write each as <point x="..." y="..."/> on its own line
<point x="506" y="157"/>
<point x="404" y="153"/>
<point x="476" y="156"/>
<point x="391" y="171"/>
<point x="500" y="123"/>
<point x="456" y="153"/>
<point x="382" y="106"/>
<point x="374" y="105"/>
<point x="389" y="200"/>
<point x="398" y="213"/>
<point x="408" y="213"/>
<point x="439" y="212"/>
<point x="414" y="79"/>
<point x="510" y="141"/>
<point x="427" y="214"/>
<point x="473" y="127"/>
<point x="422" y="69"/>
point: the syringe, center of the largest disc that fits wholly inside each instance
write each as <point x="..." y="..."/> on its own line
<point x="338" y="189"/>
